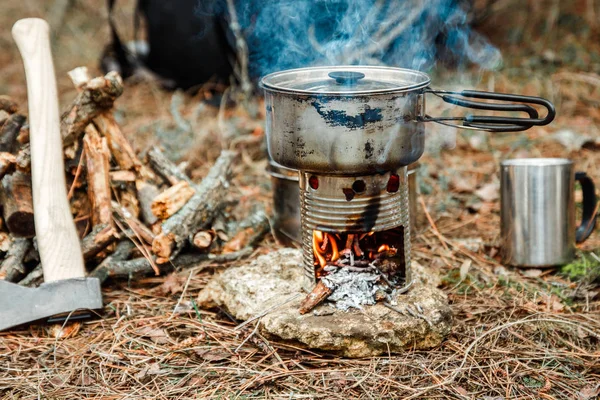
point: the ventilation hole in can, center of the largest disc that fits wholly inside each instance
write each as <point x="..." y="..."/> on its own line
<point x="394" y="183"/>
<point x="359" y="186"/>
<point x="313" y="181"/>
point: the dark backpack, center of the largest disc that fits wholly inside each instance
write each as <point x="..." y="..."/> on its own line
<point x="188" y="42"/>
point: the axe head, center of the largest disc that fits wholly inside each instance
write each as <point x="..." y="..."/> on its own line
<point x="51" y="301"/>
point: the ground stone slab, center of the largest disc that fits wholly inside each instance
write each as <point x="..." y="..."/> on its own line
<point x="421" y="318"/>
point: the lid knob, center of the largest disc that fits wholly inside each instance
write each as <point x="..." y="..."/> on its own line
<point x="346" y="77"/>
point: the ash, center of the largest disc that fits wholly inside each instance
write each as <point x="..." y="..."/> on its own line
<point x="352" y="289"/>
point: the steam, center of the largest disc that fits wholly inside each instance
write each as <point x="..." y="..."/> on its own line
<point x="414" y="34"/>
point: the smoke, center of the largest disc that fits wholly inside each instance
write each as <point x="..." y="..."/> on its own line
<point x="414" y="34"/>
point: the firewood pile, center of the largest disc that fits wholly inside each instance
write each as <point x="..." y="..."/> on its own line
<point x="135" y="215"/>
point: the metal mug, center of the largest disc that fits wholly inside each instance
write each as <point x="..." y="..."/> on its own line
<point x="537" y="211"/>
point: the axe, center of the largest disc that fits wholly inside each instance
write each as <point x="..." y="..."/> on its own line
<point x="66" y="292"/>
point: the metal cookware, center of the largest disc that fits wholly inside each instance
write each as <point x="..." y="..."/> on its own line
<point x="286" y="202"/>
<point x="538" y="211"/>
<point x="361" y="120"/>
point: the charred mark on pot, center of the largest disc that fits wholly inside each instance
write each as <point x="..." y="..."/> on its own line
<point x="300" y="148"/>
<point x="369" y="149"/>
<point x="269" y="108"/>
<point x="340" y="118"/>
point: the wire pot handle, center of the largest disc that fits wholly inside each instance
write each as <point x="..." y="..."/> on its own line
<point x="512" y="103"/>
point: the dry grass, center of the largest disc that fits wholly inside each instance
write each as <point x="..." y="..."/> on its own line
<point x="516" y="334"/>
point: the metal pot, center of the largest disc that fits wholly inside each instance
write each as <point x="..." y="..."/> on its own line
<point x="360" y="120"/>
<point x="286" y="204"/>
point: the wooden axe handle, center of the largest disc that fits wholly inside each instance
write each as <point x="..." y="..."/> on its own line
<point x="57" y="240"/>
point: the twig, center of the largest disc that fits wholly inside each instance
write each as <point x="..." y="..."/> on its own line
<point x="182" y="294"/>
<point x="433" y="227"/>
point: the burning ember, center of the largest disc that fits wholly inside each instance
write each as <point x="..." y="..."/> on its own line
<point x="356" y="269"/>
<point x="381" y="252"/>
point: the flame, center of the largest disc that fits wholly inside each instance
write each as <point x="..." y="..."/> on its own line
<point x="382" y="248"/>
<point x="357" y="250"/>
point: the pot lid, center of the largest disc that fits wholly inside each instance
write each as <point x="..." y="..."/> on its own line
<point x="345" y="80"/>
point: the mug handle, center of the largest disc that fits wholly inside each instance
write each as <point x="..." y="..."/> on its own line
<point x="588" y="220"/>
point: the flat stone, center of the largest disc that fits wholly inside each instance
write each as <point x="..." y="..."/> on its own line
<point x="420" y="318"/>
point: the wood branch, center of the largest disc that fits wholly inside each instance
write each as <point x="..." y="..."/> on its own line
<point x="122" y="176"/>
<point x="147" y="192"/>
<point x="203" y="239"/>
<point x="97" y="163"/>
<point x="4" y="116"/>
<point x="92" y="244"/>
<point x="165" y="168"/>
<point x="10" y="131"/>
<point x="23" y="161"/>
<point x="7" y="163"/>
<point x="23" y="136"/>
<point x="172" y="200"/>
<point x="105" y="123"/>
<point x="113" y="268"/>
<point x="121" y="253"/>
<point x="12" y="268"/>
<point x="318" y="295"/>
<point x="34" y="278"/>
<point x="9" y="105"/>
<point x="5" y="242"/>
<point x="98" y="239"/>
<point x="97" y="96"/>
<point x="128" y="221"/>
<point x="129" y="200"/>
<point x="15" y="196"/>
<point x="119" y="146"/>
<point x="250" y="231"/>
<point x="198" y="212"/>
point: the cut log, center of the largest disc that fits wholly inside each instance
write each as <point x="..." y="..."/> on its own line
<point x="12" y="268"/>
<point x="96" y="96"/>
<point x="98" y="239"/>
<point x="250" y="231"/>
<point x="120" y="148"/>
<point x="15" y="196"/>
<point x="165" y="168"/>
<point x="203" y="239"/>
<point x="7" y="164"/>
<point x="24" y="159"/>
<point x="318" y="295"/>
<point x="9" y="105"/>
<point x="172" y="200"/>
<point x="97" y="163"/>
<point x="146" y="193"/>
<point x="10" y="131"/>
<point x="198" y="212"/>
<point x="122" y="176"/>
<point x="128" y="221"/>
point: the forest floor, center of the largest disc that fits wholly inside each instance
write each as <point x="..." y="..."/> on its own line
<point x="517" y="333"/>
